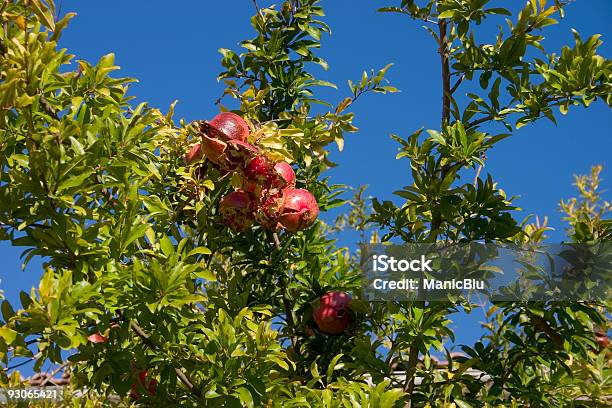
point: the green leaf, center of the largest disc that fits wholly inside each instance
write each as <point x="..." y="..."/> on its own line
<point x="199" y="251"/>
<point x="7" y="310"/>
<point x="206" y="274"/>
<point x="462" y="404"/>
<point x="75" y="180"/>
<point x="135" y="233"/>
<point x="76" y="146"/>
<point x="166" y="245"/>
<point x="333" y="366"/>
<point x="9" y="335"/>
<point x="447" y="14"/>
<point x="389" y="398"/>
<point x="245" y="396"/>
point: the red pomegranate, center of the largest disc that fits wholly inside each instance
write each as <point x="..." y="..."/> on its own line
<point x="284" y="175"/>
<point x="224" y="140"/>
<point x="236" y="210"/>
<point x="269" y="211"/>
<point x="300" y="209"/>
<point x="228" y="155"/>
<point x="257" y="174"/>
<point x="143" y="383"/>
<point x="231" y="125"/>
<point x="332" y="315"/>
<point x="194" y="154"/>
<point x="97" y="338"/>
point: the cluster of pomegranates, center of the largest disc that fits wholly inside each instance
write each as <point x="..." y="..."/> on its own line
<point x="333" y="313"/>
<point x="267" y="194"/>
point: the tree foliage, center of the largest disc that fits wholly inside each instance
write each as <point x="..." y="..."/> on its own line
<point x="134" y="249"/>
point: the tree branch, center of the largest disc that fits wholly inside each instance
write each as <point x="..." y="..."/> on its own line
<point x="147" y="340"/>
<point x="479" y="121"/>
<point x="49" y="377"/>
<point x="446" y="87"/>
<point x="436" y="217"/>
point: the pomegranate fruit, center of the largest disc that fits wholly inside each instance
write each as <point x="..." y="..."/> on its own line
<point x="97" y="338"/>
<point x="228" y="155"/>
<point x="143" y="383"/>
<point x="224" y="140"/>
<point x="258" y="168"/>
<point x="232" y="126"/>
<point x="194" y="154"/>
<point x="236" y="210"/>
<point x="300" y="209"/>
<point x="257" y="174"/>
<point x="284" y="176"/>
<point x="269" y="212"/>
<point x="332" y="315"/>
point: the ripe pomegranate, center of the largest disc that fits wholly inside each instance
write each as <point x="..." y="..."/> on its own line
<point x="97" y="338"/>
<point x="332" y="315"/>
<point x="236" y="210"/>
<point x="284" y="176"/>
<point x="269" y="211"/>
<point x="257" y="174"/>
<point x="224" y="140"/>
<point x="231" y="125"/>
<point x="300" y="209"/>
<point x="143" y="383"/>
<point x="228" y="155"/>
<point x="194" y="154"/>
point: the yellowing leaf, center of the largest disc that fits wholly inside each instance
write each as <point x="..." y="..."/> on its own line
<point x="9" y="335"/>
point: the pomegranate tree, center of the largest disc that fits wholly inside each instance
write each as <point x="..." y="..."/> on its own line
<point x="333" y="313"/>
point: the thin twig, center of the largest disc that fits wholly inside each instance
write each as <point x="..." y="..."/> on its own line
<point x="257" y="8"/>
<point x="479" y="121"/>
<point x="459" y="81"/>
<point x="276" y="240"/>
<point x="477" y="174"/>
<point x="446" y="87"/>
<point x="29" y="360"/>
<point x="52" y="374"/>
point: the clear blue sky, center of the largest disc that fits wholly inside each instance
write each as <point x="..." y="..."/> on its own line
<point x="172" y="49"/>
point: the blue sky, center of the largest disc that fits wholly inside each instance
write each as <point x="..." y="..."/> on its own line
<point x="173" y="53"/>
